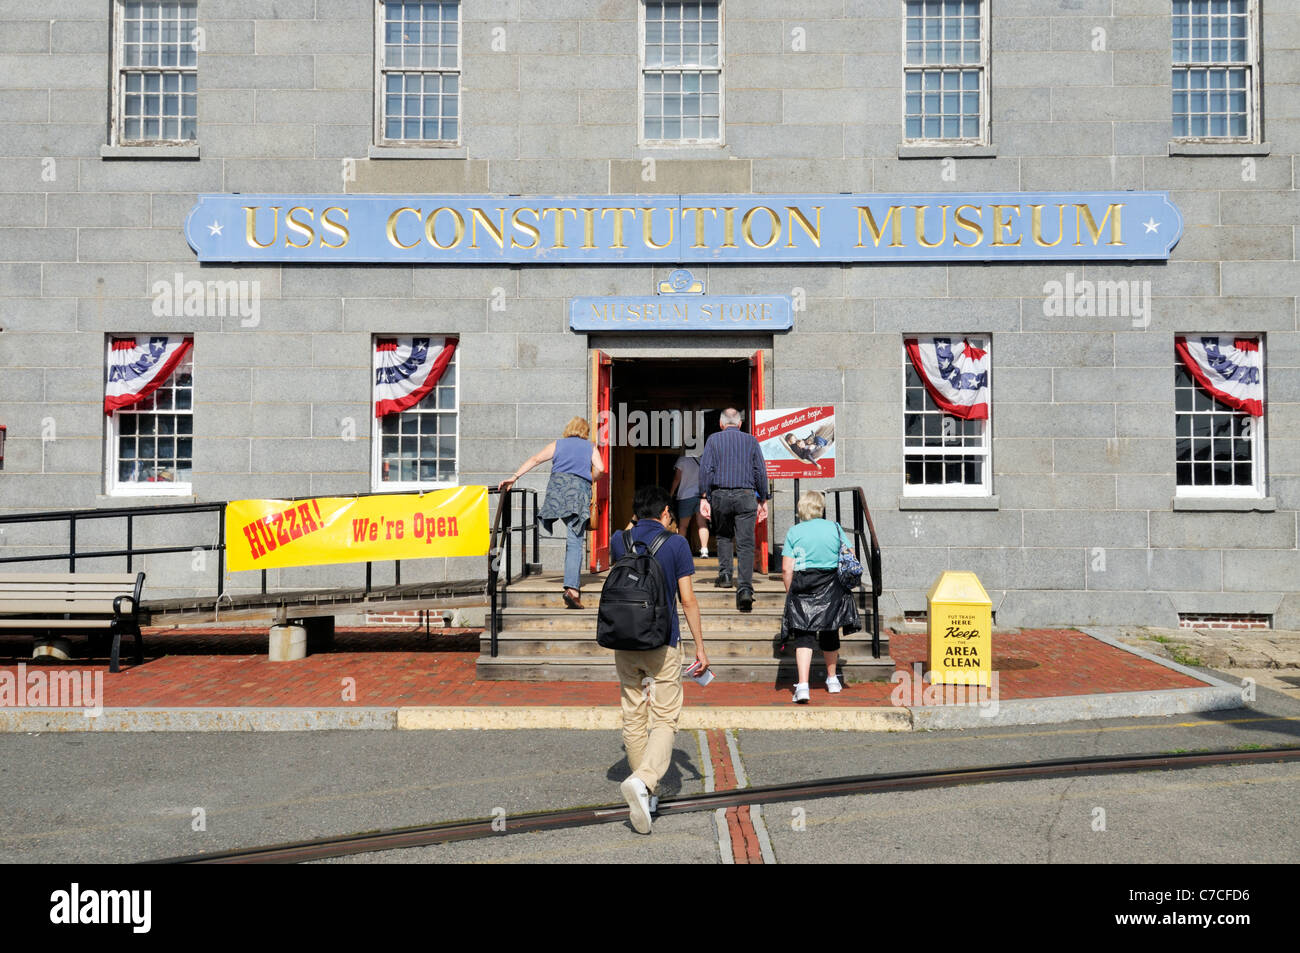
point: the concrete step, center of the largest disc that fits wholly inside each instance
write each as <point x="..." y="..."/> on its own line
<point x="552" y="585"/>
<point x="719" y="646"/>
<point x="708" y="598"/>
<point x="527" y="619"/>
<point x="854" y="669"/>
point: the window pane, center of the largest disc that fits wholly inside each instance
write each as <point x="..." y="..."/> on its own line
<point x="952" y="111"/>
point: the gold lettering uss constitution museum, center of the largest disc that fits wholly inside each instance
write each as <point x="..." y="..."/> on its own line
<point x="544" y="227"/>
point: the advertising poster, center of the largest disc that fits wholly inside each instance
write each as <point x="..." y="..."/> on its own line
<point x="797" y="443"/>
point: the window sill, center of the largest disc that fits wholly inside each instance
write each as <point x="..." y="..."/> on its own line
<point x="685" y="150"/>
<point x="149" y="152"/>
<point x="420" y="488"/>
<point x="1219" y="148"/>
<point x="958" y="150"/>
<point x="416" y="152"/>
<point x="1224" y="504"/>
<point x="120" y="497"/>
<point x="949" y="502"/>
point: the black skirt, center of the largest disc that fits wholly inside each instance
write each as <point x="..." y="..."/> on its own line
<point x="817" y="602"/>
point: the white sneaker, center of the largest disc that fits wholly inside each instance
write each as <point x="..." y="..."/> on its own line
<point x="638" y="803"/>
<point x="704" y="553"/>
<point x="833" y="685"/>
<point x="801" y="693"/>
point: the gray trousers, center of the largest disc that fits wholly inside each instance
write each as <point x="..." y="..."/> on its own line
<point x="732" y="519"/>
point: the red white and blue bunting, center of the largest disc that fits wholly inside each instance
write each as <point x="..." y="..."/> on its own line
<point x="406" y="370"/>
<point x="1228" y="368"/>
<point x="955" y="375"/>
<point x="135" y="371"/>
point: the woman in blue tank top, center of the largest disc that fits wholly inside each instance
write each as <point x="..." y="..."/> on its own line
<point x="575" y="465"/>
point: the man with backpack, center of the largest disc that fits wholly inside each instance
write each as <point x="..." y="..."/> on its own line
<point x="638" y="619"/>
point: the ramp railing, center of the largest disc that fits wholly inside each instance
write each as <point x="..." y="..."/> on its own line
<point x="508" y="536"/>
<point x="213" y="542"/>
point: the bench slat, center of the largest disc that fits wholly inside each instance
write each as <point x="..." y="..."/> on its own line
<point x="58" y="591"/>
<point x="66" y="583"/>
<point x="57" y="606"/>
<point x="53" y="596"/>
<point x="38" y="624"/>
<point x="126" y="579"/>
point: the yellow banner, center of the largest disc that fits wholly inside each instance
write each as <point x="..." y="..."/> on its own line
<point x="274" y="534"/>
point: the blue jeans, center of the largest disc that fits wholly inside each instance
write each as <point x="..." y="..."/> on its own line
<point x="572" y="557"/>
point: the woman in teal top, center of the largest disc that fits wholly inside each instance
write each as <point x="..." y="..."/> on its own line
<point x="817" y="605"/>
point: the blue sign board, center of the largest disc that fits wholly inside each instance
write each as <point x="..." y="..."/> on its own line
<point x="762" y="313"/>
<point x="712" y="229"/>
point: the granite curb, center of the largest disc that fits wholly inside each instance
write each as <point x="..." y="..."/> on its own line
<point x="196" y="719"/>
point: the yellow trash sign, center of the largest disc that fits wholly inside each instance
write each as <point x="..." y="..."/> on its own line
<point x="275" y="534"/>
<point x="961" y="630"/>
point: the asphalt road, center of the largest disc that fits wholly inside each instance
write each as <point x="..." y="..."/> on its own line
<point x="131" y="797"/>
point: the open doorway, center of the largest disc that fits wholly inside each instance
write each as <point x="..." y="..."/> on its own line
<point x="664" y="408"/>
<point x="657" y="409"/>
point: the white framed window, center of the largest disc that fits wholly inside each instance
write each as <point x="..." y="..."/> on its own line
<point x="1216" y="70"/>
<point x="1218" y="448"/>
<point x="417" y="87"/>
<point x="155" y="73"/>
<point x="945" y="72"/>
<point x="417" y="448"/>
<point x="680" y="85"/>
<point x="945" y="454"/>
<point x="150" y="442"/>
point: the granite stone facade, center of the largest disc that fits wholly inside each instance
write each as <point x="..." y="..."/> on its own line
<point x="1082" y="525"/>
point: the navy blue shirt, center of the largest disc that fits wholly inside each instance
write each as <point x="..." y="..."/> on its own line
<point x="733" y="458"/>
<point x="674" y="557"/>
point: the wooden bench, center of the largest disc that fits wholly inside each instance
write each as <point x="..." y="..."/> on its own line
<point x="63" y="603"/>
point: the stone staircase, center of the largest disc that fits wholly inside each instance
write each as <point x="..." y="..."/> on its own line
<point x="541" y="640"/>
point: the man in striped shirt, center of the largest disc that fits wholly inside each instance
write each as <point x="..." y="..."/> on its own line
<point x="734" y="498"/>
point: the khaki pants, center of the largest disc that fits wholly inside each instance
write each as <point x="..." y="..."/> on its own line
<point x="650" y="714"/>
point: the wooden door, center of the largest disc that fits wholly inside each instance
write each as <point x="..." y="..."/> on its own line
<point x="601" y="388"/>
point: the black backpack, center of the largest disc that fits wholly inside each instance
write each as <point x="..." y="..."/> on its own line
<point x="635" y="612"/>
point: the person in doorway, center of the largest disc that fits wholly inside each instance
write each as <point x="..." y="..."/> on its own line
<point x="686" y="493"/>
<point x="817" y="605"/>
<point x="650" y="713"/>
<point x="734" y="498"/>
<point x="575" y="465"/>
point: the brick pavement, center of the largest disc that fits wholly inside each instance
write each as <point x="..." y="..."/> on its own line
<point x="745" y="848"/>
<point x="229" y="668"/>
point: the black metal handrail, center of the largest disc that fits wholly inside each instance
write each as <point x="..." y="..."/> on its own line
<point x="131" y="513"/>
<point x="501" y="548"/>
<point x="867" y="549"/>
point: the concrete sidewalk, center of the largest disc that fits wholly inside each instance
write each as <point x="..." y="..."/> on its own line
<point x="384" y="679"/>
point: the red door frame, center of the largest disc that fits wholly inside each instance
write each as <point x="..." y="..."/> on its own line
<point x="758" y="401"/>
<point x="601" y="406"/>
<point x="602" y="368"/>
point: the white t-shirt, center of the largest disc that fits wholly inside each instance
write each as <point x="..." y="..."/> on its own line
<point x="689" y="485"/>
